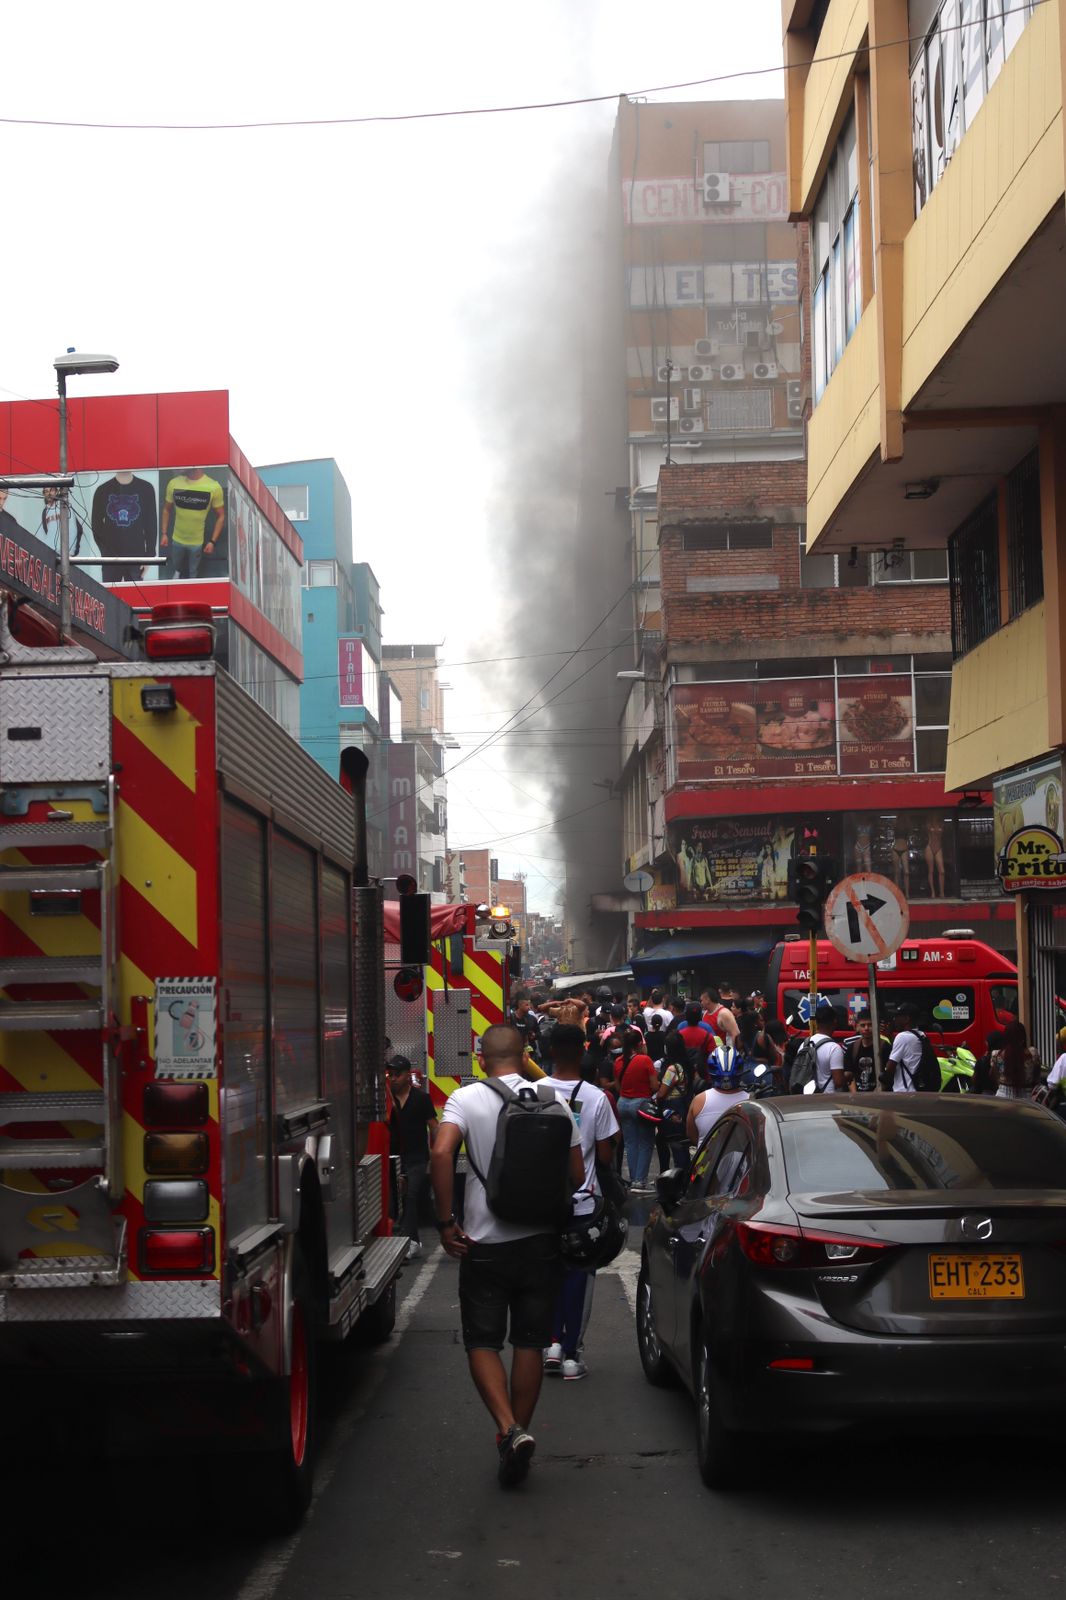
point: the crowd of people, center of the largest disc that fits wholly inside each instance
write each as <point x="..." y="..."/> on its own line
<point x="634" y="1077"/>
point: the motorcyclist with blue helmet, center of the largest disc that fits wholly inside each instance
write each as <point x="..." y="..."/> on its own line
<point x="725" y="1070"/>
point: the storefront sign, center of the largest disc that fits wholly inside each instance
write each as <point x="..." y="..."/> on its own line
<point x="726" y="283"/>
<point x="876" y="724"/>
<point x="1033" y="858"/>
<point x="350" y="671"/>
<point x="1028" y="796"/>
<point x="777" y="728"/>
<point x="753" y="197"/>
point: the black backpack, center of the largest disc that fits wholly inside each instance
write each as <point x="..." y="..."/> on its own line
<point x="926" y="1075"/>
<point x="804" y="1063"/>
<point x="529" y="1175"/>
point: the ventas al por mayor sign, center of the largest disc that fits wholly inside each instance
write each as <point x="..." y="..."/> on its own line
<point x="1032" y="858"/>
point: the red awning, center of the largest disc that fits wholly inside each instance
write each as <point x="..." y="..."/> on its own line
<point x="443" y="920"/>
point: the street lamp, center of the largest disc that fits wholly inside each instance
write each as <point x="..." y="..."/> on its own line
<point x="70" y="365"/>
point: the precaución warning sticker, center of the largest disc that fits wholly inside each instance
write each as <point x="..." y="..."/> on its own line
<point x="185" y="1028"/>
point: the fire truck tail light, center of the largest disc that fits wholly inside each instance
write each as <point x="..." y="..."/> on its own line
<point x="175" y="1105"/>
<point x="179" y="632"/>
<point x="173" y="1155"/>
<point x="176" y="1200"/>
<point x="175" y="1250"/>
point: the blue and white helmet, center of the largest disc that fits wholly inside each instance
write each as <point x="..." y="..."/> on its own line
<point x="725" y="1067"/>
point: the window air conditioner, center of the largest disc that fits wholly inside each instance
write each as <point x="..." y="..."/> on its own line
<point x="764" y="369"/>
<point x="795" y="408"/>
<point x="730" y="372"/>
<point x="795" y="390"/>
<point x="716" y="188"/>
<point x="691" y="425"/>
<point x="705" y="349"/>
<point x="670" y="375"/>
<point x="693" y="400"/>
<point x="659" y="409"/>
<point x="700" y="374"/>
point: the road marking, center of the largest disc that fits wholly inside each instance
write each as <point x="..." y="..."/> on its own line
<point x="626" y="1267"/>
<point x="266" y="1576"/>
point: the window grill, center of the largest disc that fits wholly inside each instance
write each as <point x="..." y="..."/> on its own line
<point x="1025" y="556"/>
<point x="973" y="570"/>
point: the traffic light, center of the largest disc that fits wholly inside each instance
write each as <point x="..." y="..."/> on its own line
<point x="810" y="879"/>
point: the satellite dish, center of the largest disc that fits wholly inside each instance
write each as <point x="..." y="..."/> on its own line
<point x="638" y="882"/>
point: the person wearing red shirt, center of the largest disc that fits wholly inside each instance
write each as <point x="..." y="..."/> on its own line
<point x="696" y="1036"/>
<point x="637" y="1080"/>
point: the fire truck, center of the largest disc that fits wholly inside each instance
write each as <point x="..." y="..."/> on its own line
<point x="193" y="1157"/>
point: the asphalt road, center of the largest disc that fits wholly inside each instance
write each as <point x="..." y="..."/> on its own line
<point x="408" y="1504"/>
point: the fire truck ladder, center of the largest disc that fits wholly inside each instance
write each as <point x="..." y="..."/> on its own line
<point x="83" y="1215"/>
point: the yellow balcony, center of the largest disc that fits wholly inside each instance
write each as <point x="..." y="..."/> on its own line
<point x="999" y="703"/>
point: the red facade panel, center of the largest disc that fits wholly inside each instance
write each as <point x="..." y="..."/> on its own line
<point x="34" y="443"/>
<point x="193" y="429"/>
<point x="116" y="431"/>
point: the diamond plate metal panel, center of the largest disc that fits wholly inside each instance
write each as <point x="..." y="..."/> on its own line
<point x="369" y="1006"/>
<point x="452" y="1037"/>
<point x="55" y="730"/>
<point x="128" y="1302"/>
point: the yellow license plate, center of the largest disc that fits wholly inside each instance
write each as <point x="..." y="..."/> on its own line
<point x="976" y="1277"/>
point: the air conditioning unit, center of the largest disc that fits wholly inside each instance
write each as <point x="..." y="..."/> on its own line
<point x="795" y="408"/>
<point x="795" y="390"/>
<point x="716" y="188"/>
<point x="764" y="369"/>
<point x="731" y="372"/>
<point x="692" y="400"/>
<point x="700" y="374"/>
<point x="668" y="374"/>
<point x="756" y="338"/>
<point x="691" y="425"/>
<point x="661" y="408"/>
<point x="705" y="349"/>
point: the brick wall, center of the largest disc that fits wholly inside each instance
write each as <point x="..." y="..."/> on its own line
<point x="741" y="623"/>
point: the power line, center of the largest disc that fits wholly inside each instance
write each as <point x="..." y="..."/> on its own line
<point x="500" y="110"/>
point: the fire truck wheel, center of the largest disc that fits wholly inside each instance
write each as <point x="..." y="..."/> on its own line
<point x="377" y="1323"/>
<point x="285" y="1474"/>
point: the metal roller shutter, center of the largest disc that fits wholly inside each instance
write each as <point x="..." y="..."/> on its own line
<point x="246" y="1034"/>
<point x="294" y="953"/>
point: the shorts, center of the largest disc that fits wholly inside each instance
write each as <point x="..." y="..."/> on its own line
<point x="520" y="1278"/>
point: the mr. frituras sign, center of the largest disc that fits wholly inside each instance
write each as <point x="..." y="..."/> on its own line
<point x="1032" y="858"/>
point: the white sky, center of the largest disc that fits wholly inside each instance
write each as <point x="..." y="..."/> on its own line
<point x="331" y="278"/>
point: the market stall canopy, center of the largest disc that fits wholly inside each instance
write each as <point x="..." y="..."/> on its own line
<point x="705" y="944"/>
<point x="568" y="982"/>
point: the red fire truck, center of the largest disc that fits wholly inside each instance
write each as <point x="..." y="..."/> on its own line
<point x="193" y="1158"/>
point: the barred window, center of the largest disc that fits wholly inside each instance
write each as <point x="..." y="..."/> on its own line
<point x="1025" y="555"/>
<point x="973" y="567"/>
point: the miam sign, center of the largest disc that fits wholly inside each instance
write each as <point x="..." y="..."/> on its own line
<point x="1032" y="858"/>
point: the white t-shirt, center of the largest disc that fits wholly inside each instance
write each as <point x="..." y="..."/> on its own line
<point x="715" y="1104"/>
<point x="594" y="1114"/>
<point x="829" y="1059"/>
<point x="475" y="1110"/>
<point x="906" y="1052"/>
<point x="1058" y="1071"/>
<point x="658" y="1011"/>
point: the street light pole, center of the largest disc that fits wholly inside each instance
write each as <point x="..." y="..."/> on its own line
<point x="66" y="365"/>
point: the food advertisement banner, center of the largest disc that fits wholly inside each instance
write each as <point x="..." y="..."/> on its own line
<point x="1028" y="797"/>
<point x="774" y="729"/>
<point x="876" y="724"/>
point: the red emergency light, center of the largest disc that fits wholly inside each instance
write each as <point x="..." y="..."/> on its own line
<point x="177" y="1250"/>
<point x="179" y="631"/>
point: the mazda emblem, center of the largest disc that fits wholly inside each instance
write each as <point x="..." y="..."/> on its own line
<point x="977" y="1229"/>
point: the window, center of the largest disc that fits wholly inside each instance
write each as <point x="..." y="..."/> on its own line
<point x="911" y="566"/>
<point x="932" y="697"/>
<point x="832" y="572"/>
<point x="423" y="699"/>
<point x="320" y="574"/>
<point x="952" y="72"/>
<point x="836" y="258"/>
<point x="973" y="566"/>
<point x="729" y="536"/>
<point x="292" y="498"/>
<point x="737" y="155"/>
<point x="1025" y="556"/>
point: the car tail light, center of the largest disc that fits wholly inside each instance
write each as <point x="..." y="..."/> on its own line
<point x="175" y="1105"/>
<point x="177" y="1250"/>
<point x="771" y="1244"/>
<point x="792" y="1364"/>
<point x="175" y="1154"/>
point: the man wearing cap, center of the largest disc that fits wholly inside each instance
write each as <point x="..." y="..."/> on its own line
<point x="412" y="1128"/>
<point x="829" y="1069"/>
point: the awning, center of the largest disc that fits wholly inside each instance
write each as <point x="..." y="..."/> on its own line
<point x="567" y="982"/>
<point x="443" y="921"/>
<point x="704" y="944"/>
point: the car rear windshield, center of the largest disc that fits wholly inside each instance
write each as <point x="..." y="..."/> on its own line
<point x="857" y="1149"/>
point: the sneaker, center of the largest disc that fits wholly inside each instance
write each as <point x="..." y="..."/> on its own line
<point x="414" y="1248"/>
<point x="553" y="1358"/>
<point x="574" y="1367"/>
<point x="516" y="1448"/>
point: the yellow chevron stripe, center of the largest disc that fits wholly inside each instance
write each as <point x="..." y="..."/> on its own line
<point x="171" y="739"/>
<point x="166" y="881"/>
<point x="481" y="983"/>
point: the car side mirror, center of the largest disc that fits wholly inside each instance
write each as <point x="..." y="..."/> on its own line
<point x="670" y="1186"/>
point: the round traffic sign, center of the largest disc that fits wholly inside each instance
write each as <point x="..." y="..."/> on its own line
<point x="866" y="917"/>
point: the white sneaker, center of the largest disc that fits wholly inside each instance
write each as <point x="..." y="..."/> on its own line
<point x="414" y="1248"/>
<point x="553" y="1358"/>
<point x="574" y="1367"/>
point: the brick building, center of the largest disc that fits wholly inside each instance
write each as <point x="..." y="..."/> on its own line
<point x="782" y="702"/>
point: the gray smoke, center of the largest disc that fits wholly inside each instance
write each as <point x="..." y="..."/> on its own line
<point x="551" y="387"/>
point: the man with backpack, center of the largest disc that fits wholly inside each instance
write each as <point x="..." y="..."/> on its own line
<point x="598" y="1128"/>
<point x="912" y="1056"/>
<point x="524" y="1153"/>
<point x="819" y="1060"/>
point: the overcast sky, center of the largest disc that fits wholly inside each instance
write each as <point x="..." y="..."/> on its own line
<point x="344" y="283"/>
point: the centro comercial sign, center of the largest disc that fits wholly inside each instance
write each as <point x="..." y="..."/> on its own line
<point x="1032" y="858"/>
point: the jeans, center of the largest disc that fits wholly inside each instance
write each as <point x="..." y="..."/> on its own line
<point x="183" y="560"/>
<point x="639" y="1137"/>
<point x="416" y="1183"/>
<point x="572" y="1311"/>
